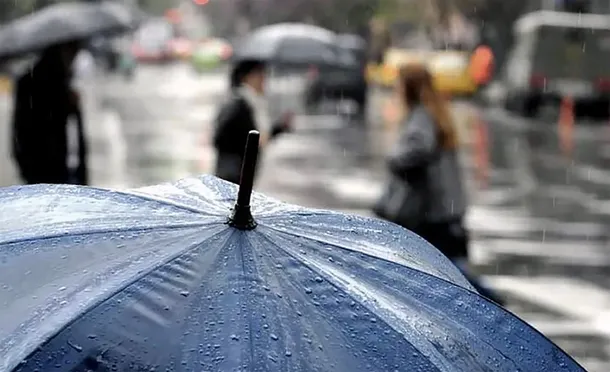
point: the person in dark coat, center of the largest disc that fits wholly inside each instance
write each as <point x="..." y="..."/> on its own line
<point x="44" y="104"/>
<point x="245" y="110"/>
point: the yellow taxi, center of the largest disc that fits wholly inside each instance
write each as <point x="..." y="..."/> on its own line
<point x="451" y="73"/>
<point x="449" y="68"/>
<point x="385" y="74"/>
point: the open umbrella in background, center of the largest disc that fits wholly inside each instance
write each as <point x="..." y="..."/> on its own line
<point x="166" y="278"/>
<point x="289" y="43"/>
<point x="65" y="22"/>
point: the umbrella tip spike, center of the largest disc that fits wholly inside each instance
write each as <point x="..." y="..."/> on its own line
<point x="242" y="215"/>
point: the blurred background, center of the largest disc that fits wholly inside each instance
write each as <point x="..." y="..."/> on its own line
<point x="535" y="139"/>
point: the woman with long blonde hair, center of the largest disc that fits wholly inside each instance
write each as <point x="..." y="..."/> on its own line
<point x="425" y="192"/>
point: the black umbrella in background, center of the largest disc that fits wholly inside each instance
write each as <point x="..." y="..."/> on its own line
<point x="289" y="43"/>
<point x="64" y="22"/>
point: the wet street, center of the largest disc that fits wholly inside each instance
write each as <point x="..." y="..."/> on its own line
<point x="539" y="218"/>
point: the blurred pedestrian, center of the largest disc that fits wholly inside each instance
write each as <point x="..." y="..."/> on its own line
<point x="45" y="103"/>
<point x="425" y="192"/>
<point x="245" y="110"/>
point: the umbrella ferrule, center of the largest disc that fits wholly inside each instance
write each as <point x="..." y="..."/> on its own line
<point x="242" y="215"/>
<point x="242" y="218"/>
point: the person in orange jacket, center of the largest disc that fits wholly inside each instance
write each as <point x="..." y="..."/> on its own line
<point x="482" y="65"/>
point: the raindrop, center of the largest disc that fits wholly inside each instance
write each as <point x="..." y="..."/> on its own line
<point x="61" y="289"/>
<point x="274" y="337"/>
<point x="92" y="336"/>
<point x="75" y="346"/>
<point x="266" y="288"/>
<point x="235" y="337"/>
<point x="288" y="353"/>
<point x="184" y="293"/>
<point x="308" y="290"/>
<point x="319" y="279"/>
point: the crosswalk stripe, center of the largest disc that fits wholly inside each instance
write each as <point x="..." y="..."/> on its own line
<point x="569" y="296"/>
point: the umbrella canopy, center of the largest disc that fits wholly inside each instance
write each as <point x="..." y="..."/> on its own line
<point x="65" y="22"/>
<point x="159" y="278"/>
<point x="289" y="43"/>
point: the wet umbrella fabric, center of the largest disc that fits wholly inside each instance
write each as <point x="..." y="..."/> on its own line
<point x="157" y="279"/>
<point x="288" y="43"/>
<point x="62" y="23"/>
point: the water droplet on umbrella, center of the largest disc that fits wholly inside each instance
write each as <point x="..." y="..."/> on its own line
<point x="308" y="290"/>
<point x="75" y="346"/>
<point x="61" y="289"/>
<point x="274" y="337"/>
<point x="319" y="280"/>
<point x="288" y="353"/>
<point x="235" y="337"/>
<point x="184" y="293"/>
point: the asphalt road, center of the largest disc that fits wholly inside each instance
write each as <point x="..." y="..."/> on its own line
<point x="539" y="218"/>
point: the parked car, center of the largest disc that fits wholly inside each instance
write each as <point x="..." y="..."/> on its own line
<point x="210" y="54"/>
<point x="152" y="42"/>
<point x="181" y="48"/>
<point x="346" y="81"/>
<point x="558" y="55"/>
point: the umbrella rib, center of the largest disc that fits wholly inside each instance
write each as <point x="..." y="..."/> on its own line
<point x="112" y="230"/>
<point x="318" y="240"/>
<point x="152" y="198"/>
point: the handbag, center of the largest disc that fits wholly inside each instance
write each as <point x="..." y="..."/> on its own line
<point x="402" y="203"/>
<point x="406" y="199"/>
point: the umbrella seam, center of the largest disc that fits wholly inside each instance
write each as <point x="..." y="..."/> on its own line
<point x="152" y="198"/>
<point x="111" y="230"/>
<point x="364" y="253"/>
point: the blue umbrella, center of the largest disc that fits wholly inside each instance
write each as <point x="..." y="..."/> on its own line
<point x="159" y="279"/>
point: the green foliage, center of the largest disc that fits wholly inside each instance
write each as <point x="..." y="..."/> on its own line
<point x="392" y="11"/>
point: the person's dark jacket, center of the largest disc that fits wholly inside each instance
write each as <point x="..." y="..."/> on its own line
<point x="44" y="103"/>
<point x="235" y="119"/>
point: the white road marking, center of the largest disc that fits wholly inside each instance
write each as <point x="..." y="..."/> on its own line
<point x="568" y="296"/>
